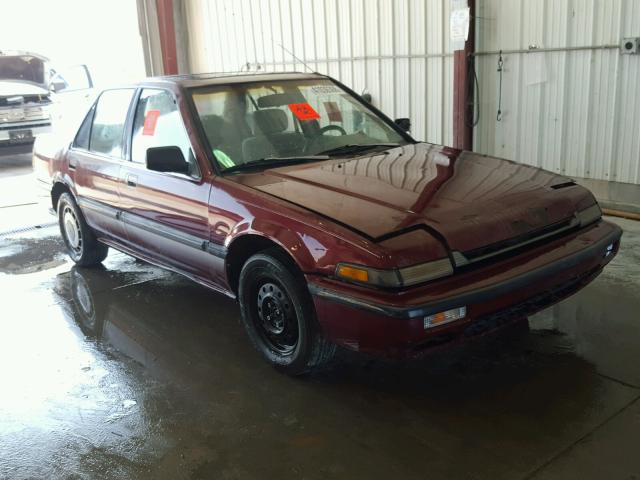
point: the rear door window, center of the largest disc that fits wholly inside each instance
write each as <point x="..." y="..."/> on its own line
<point x="108" y="122"/>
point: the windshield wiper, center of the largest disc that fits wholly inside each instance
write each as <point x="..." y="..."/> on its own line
<point x="270" y="162"/>
<point x="355" y="148"/>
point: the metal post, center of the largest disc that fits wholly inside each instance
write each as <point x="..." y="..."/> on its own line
<point x="462" y="99"/>
<point x="167" y="36"/>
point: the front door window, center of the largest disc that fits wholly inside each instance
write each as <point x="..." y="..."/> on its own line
<point x="157" y="123"/>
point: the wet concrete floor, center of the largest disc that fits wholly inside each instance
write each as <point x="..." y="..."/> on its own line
<point x="128" y="371"/>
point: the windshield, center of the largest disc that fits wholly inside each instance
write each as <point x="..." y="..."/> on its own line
<point x="249" y="122"/>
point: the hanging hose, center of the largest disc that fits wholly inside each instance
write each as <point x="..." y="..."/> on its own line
<point x="500" y="63"/>
<point x="472" y="102"/>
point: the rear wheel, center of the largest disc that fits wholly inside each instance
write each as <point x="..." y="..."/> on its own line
<point x="278" y="314"/>
<point x="82" y="246"/>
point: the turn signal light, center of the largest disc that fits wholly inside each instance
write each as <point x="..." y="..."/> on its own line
<point x="447" y="316"/>
<point x="395" y="277"/>
<point x="353" y="273"/>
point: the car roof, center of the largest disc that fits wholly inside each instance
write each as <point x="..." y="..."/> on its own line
<point x="195" y="80"/>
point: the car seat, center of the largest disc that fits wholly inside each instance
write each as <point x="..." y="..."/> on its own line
<point x="270" y="137"/>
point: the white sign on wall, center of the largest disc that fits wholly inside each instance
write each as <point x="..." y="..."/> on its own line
<point x="459" y="23"/>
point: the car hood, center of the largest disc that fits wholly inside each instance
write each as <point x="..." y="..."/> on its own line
<point x="14" y="88"/>
<point x="23" y="68"/>
<point x="467" y="200"/>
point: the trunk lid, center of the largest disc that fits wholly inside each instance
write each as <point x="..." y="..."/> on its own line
<point x="469" y="201"/>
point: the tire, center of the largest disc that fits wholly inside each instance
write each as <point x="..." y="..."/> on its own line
<point x="82" y="246"/>
<point x="85" y="311"/>
<point x="279" y="316"/>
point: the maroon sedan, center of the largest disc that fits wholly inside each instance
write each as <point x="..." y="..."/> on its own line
<point x="323" y="217"/>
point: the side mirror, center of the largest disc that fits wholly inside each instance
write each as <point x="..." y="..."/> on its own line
<point x="167" y="159"/>
<point x="57" y="85"/>
<point x="403" y="123"/>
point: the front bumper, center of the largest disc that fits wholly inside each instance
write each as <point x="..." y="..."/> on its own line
<point x="392" y="323"/>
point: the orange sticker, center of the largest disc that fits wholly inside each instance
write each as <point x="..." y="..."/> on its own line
<point x="150" y="122"/>
<point x="303" y="111"/>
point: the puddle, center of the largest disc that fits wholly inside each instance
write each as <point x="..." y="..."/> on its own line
<point x="29" y="255"/>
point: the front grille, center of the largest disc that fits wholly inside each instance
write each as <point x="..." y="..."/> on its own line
<point x="514" y="245"/>
<point x="26" y="99"/>
<point x="496" y="248"/>
<point x="23" y="114"/>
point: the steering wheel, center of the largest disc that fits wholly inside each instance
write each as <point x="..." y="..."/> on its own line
<point x="329" y="128"/>
<point x="313" y="141"/>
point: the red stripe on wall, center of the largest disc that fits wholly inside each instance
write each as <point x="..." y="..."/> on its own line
<point x="167" y="36"/>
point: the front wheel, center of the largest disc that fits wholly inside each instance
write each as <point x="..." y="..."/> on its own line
<point x="279" y="316"/>
<point x="82" y="246"/>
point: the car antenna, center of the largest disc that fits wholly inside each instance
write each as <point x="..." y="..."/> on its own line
<point x="299" y="60"/>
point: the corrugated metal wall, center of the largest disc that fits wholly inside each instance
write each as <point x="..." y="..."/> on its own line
<point x="398" y="50"/>
<point x="573" y="112"/>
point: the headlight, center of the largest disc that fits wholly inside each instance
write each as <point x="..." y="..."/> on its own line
<point x="589" y="215"/>
<point x="397" y="277"/>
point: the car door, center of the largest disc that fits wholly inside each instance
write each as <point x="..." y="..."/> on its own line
<point x="165" y="214"/>
<point x="95" y="158"/>
<point x="72" y="93"/>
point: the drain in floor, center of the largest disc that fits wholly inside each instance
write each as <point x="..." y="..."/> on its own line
<point x="27" y="229"/>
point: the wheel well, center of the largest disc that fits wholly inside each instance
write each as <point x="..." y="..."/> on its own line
<point x="58" y="189"/>
<point x="242" y="249"/>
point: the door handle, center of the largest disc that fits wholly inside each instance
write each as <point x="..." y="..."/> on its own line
<point x="132" y="180"/>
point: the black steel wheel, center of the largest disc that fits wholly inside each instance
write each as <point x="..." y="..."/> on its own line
<point x="278" y="314"/>
<point x="82" y="245"/>
<point x="278" y="324"/>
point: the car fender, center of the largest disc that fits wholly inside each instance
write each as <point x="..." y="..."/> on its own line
<point x="65" y="179"/>
<point x="283" y="236"/>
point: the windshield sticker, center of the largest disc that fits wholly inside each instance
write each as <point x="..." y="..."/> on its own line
<point x="333" y="111"/>
<point x="320" y="89"/>
<point x="303" y="111"/>
<point x="150" y="122"/>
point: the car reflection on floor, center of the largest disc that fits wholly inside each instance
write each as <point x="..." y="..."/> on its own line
<point x="145" y="313"/>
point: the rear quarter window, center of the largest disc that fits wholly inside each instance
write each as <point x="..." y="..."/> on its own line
<point x="82" y="137"/>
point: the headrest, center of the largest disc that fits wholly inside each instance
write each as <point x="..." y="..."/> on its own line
<point x="267" y="122"/>
<point x="212" y="122"/>
<point x="213" y="125"/>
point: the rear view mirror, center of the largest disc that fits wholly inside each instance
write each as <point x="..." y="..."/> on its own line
<point x="167" y="159"/>
<point x="278" y="100"/>
<point x="403" y="123"/>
